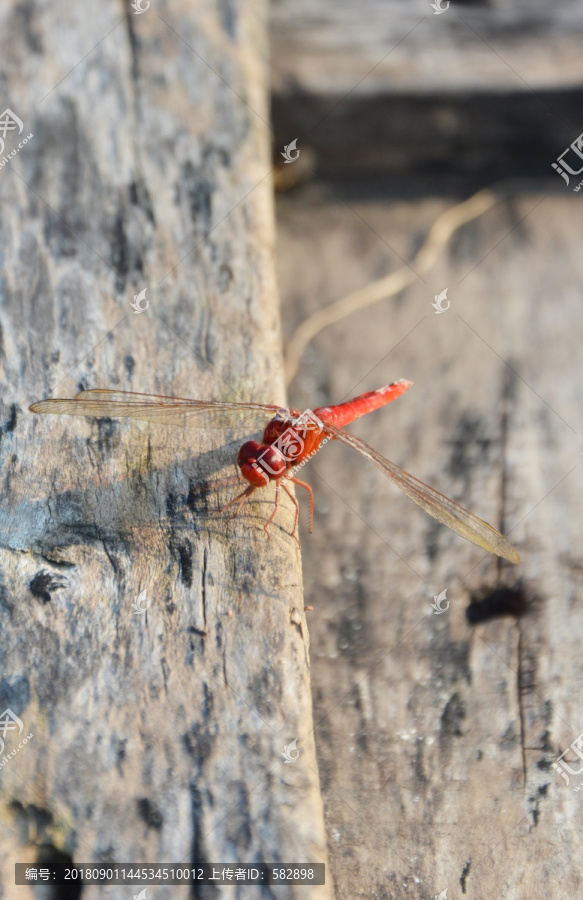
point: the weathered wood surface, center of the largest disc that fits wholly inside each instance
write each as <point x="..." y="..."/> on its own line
<point x="436" y="737"/>
<point x="157" y="737"/>
<point x="487" y="90"/>
<point x="364" y="48"/>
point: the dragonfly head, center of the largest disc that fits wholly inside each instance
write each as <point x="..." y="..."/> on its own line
<point x="260" y="463"/>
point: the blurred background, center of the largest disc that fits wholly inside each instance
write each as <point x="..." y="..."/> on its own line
<point x="436" y="733"/>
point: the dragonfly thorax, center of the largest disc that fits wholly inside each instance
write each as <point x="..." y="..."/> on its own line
<point x="286" y="443"/>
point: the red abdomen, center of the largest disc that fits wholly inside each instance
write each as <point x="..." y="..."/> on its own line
<point x="344" y="413"/>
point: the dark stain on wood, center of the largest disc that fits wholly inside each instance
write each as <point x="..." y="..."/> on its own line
<point x="451" y="718"/>
<point x="502" y="601"/>
<point x="44" y="583"/>
<point x="470" y="448"/>
<point x="184" y="551"/>
<point x="198" y="188"/>
<point x="464" y="875"/>
<point x="130" y="364"/>
<point x="150" y="813"/>
<point x="49" y="855"/>
<point x="105" y="436"/>
<point x="139" y="196"/>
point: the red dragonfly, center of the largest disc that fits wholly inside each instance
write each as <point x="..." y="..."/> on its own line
<point x="290" y="438"/>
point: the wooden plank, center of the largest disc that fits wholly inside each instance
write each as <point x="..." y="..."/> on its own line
<point x="383" y="89"/>
<point x="437" y="733"/>
<point x="441" y="143"/>
<point x="157" y="735"/>
<point x="379" y="45"/>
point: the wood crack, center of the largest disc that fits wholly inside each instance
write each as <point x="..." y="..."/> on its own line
<point x="520" y="690"/>
<point x="203" y="589"/>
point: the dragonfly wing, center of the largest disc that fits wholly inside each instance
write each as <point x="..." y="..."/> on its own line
<point x="458" y="519"/>
<point x="162" y="410"/>
<point x="134" y="396"/>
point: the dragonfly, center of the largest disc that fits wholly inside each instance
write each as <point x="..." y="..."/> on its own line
<point x="290" y="438"/>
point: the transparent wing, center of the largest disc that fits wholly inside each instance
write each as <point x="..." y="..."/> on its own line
<point x="460" y="520"/>
<point x="162" y="410"/>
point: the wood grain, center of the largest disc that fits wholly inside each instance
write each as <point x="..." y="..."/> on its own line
<point x="157" y="737"/>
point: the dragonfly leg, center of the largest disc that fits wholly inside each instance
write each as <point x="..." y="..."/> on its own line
<point x="272" y="516"/>
<point x="311" y="493"/>
<point x="297" y="506"/>
<point x="243" y="497"/>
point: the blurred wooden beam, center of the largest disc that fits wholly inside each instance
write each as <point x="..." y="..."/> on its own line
<point x="381" y="46"/>
<point x="481" y="92"/>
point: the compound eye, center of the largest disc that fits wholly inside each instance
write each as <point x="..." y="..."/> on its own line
<point x="254" y="474"/>
<point x="249" y="452"/>
<point x="272" y="462"/>
<point x="259" y="463"/>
